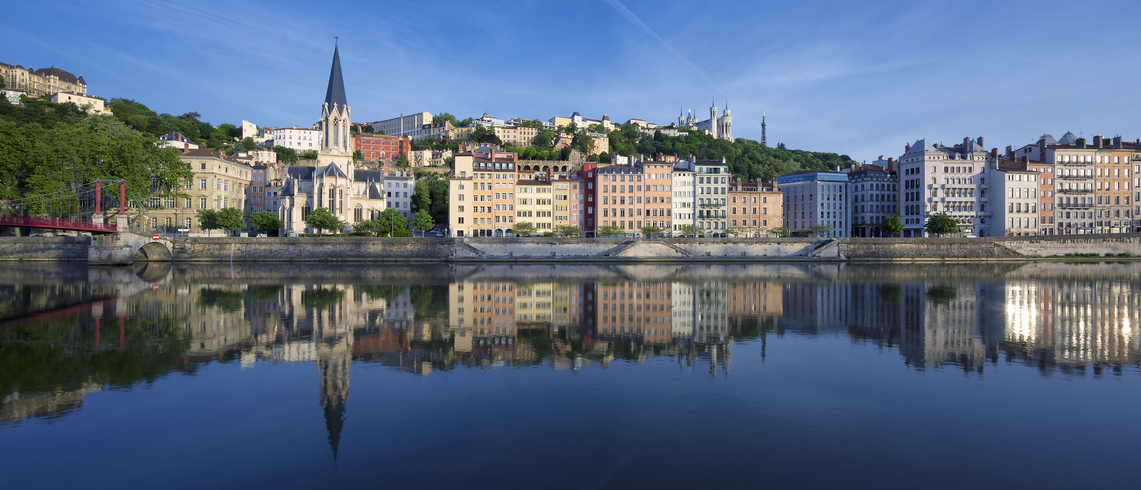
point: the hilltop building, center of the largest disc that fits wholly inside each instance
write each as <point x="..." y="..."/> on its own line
<point x="44" y="81"/>
<point x="719" y="127"/>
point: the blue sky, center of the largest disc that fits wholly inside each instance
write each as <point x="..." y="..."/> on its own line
<point x="857" y="78"/>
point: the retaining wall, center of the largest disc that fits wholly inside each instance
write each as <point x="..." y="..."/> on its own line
<point x="51" y="248"/>
<point x="612" y="250"/>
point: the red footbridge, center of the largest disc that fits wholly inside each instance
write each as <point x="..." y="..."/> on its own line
<point x="58" y="224"/>
<point x="93" y="192"/>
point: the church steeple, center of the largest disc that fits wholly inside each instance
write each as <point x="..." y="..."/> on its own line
<point x="335" y="94"/>
<point x="335" y="116"/>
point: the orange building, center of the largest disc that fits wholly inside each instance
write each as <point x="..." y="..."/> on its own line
<point x="755" y="205"/>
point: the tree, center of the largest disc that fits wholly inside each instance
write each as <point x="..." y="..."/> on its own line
<point x="309" y="155"/>
<point x="568" y="231"/>
<point x="820" y="230"/>
<point x="321" y="219"/>
<point x="286" y="154"/>
<point x="392" y="222"/>
<point x="443" y="116"/>
<point x="422" y="221"/>
<point x="891" y="226"/>
<point x="208" y="220"/>
<point x="610" y="230"/>
<point x="691" y="230"/>
<point x="267" y="222"/>
<point x="402" y="161"/>
<point x="941" y="224"/>
<point x="485" y="135"/>
<point x="779" y="231"/>
<point x="365" y="226"/>
<point x="3" y="84"/>
<point x="421" y="196"/>
<point x="651" y="231"/>
<point x="524" y="229"/>
<point x="737" y="230"/>
<point x="230" y="219"/>
<point x="247" y="144"/>
<point x="544" y="139"/>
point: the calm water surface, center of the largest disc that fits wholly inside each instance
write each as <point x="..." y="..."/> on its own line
<point x="669" y="376"/>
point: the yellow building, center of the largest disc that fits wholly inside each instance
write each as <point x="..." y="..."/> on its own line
<point x="41" y="82"/>
<point x="534" y="204"/>
<point x="561" y="204"/>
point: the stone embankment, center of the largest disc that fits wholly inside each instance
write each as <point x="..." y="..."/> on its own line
<point x="126" y="247"/>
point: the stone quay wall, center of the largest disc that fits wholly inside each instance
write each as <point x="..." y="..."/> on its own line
<point x="311" y="249"/>
<point x="44" y="248"/>
<point x="580" y="250"/>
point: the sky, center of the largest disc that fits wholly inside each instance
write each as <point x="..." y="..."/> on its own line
<point x="855" y="78"/>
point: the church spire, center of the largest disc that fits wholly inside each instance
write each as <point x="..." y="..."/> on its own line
<point x="335" y="94"/>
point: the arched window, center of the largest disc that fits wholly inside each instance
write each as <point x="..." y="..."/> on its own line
<point x="358" y="213"/>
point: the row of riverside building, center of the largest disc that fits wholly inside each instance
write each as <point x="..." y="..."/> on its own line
<point x="492" y="191"/>
<point x="1063" y="186"/>
<point x="1049" y="187"/>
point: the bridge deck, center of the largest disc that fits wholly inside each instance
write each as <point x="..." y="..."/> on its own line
<point x="58" y="224"/>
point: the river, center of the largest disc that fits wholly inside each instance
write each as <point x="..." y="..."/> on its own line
<point x="1009" y="375"/>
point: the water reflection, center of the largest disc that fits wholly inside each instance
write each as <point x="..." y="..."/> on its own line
<point x="68" y="332"/>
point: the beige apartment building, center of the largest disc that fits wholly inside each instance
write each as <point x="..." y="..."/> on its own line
<point x="218" y="182"/>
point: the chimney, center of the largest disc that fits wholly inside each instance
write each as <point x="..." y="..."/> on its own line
<point x="966" y="143"/>
<point x="1097" y="141"/>
<point x="1117" y="142"/>
<point x="994" y="154"/>
<point x="1080" y="142"/>
<point x="1025" y="161"/>
<point x="907" y="148"/>
<point x="981" y="141"/>
<point x="1009" y="151"/>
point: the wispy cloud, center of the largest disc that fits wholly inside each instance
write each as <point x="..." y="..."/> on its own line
<point x="633" y="19"/>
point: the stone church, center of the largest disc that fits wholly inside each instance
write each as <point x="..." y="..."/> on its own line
<point x="718" y="127"/>
<point x="333" y="183"/>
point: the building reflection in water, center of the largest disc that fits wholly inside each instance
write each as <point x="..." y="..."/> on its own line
<point x="1067" y="324"/>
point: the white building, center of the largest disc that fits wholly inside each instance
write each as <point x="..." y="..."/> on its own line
<point x="398" y="190"/>
<point x="177" y="140"/>
<point x="816" y="198"/>
<point x="684" y="203"/>
<point x="712" y="189"/>
<point x="410" y="125"/>
<point x="1015" y="199"/>
<point x="934" y="178"/>
<point x="92" y="105"/>
<point x="303" y="140"/>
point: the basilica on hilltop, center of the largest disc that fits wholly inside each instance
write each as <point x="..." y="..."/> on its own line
<point x="719" y="127"/>
<point x="333" y="183"/>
